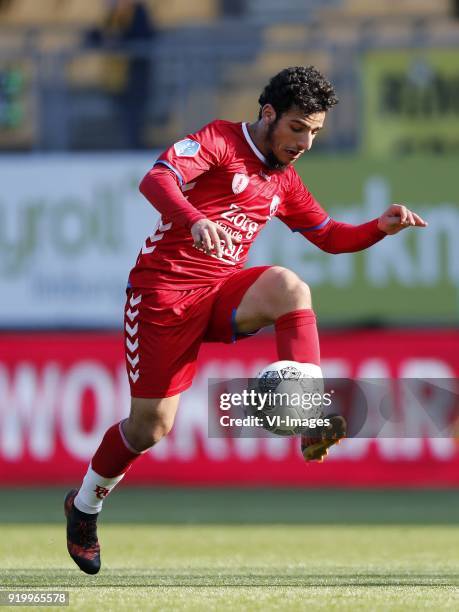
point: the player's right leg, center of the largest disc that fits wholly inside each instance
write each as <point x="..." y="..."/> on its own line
<point x="123" y="443"/>
<point x="163" y="333"/>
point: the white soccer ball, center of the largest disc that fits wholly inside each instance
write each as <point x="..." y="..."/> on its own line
<point x="289" y="395"/>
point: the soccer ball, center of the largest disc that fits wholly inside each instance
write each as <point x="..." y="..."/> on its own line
<point x="289" y="394"/>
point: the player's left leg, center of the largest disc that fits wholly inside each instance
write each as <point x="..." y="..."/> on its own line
<point x="275" y="295"/>
<point x="278" y="296"/>
<point x="281" y="298"/>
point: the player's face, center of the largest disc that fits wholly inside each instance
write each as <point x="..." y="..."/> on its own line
<point x="289" y="136"/>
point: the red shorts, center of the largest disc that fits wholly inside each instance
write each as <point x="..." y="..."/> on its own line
<point x="164" y="329"/>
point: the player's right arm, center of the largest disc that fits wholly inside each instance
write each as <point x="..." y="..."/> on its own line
<point x="208" y="236"/>
<point x="178" y="165"/>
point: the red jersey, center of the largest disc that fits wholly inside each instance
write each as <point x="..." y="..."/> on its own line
<point x="225" y="177"/>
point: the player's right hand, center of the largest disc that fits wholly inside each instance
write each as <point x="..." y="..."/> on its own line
<point x="209" y="236"/>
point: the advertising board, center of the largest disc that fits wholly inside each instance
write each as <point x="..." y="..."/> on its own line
<point x="60" y="392"/>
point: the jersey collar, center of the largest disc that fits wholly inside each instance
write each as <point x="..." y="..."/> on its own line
<point x="252" y="145"/>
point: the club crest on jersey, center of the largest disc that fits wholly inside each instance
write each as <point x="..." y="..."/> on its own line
<point x="240" y="182"/>
<point x="187" y="147"/>
<point x="274" y="206"/>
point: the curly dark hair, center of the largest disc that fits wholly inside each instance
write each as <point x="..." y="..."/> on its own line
<point x="301" y="86"/>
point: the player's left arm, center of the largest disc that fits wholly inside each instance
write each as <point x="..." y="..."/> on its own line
<point x="337" y="237"/>
<point x="398" y="217"/>
<point x="303" y="214"/>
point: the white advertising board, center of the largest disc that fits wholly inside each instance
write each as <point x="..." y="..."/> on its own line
<point x="71" y="227"/>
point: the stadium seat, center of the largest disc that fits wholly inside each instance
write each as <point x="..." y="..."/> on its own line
<point x="105" y="71"/>
<point x="80" y="13"/>
<point x="387" y="8"/>
<point x="271" y="12"/>
<point x="57" y="40"/>
<point x="27" y="12"/>
<point x="238" y="104"/>
<point x="175" y="13"/>
<point x="339" y="32"/>
<point x="271" y="61"/>
<point x="286" y="33"/>
<point x="384" y="22"/>
<point x="38" y="13"/>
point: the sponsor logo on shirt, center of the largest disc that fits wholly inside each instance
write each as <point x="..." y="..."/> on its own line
<point x="241" y="221"/>
<point x="239" y="226"/>
<point x="187" y="147"/>
<point x="240" y="182"/>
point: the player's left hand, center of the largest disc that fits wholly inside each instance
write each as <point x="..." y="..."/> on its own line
<point x="398" y="217"/>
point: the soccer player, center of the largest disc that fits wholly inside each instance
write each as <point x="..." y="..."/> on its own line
<point x="215" y="190"/>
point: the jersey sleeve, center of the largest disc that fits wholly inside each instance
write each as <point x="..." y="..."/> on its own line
<point x="160" y="187"/>
<point x="197" y="153"/>
<point x="303" y="214"/>
<point x="299" y="210"/>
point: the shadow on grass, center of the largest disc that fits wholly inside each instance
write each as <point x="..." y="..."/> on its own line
<point x="207" y="577"/>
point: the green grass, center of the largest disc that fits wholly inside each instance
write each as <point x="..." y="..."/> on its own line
<point x="235" y="506"/>
<point x="188" y="550"/>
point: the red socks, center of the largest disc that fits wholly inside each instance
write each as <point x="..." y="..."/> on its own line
<point x="114" y="455"/>
<point x="112" y="460"/>
<point x="297" y="338"/>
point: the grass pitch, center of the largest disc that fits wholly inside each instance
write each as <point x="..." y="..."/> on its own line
<point x="187" y="550"/>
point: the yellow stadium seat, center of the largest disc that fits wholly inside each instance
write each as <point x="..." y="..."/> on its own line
<point x="387" y="8"/>
<point x="269" y="63"/>
<point x="55" y="40"/>
<point x="27" y="12"/>
<point x="174" y="13"/>
<point x="80" y="12"/>
<point x="340" y="32"/>
<point x="38" y="13"/>
<point x="98" y="70"/>
<point x="285" y="33"/>
<point x="238" y="104"/>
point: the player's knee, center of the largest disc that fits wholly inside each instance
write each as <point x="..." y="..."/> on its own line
<point x="146" y="427"/>
<point x="285" y="292"/>
<point x="159" y="430"/>
<point x="144" y="435"/>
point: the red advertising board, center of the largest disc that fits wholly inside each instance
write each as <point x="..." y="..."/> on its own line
<point x="60" y="392"/>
